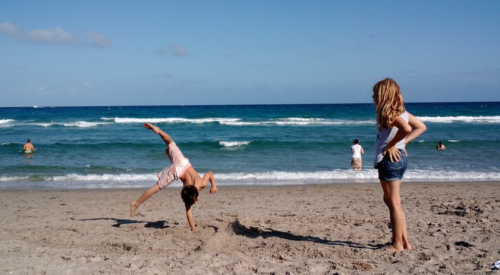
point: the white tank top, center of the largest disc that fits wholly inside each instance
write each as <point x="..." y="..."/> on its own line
<point x="356" y="151"/>
<point x="384" y="136"/>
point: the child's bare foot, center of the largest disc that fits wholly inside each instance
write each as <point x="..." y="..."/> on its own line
<point x="392" y="248"/>
<point x="408" y="246"/>
<point x="155" y="129"/>
<point x="133" y="207"/>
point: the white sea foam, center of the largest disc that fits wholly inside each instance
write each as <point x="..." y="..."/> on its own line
<point x="292" y="121"/>
<point x="239" y="122"/>
<point x="83" y="124"/>
<point x="425" y="175"/>
<point x="453" y="140"/>
<point x="13" y="179"/>
<point x="80" y="124"/>
<point x="42" y="124"/>
<point x="104" y="178"/>
<point x="82" y="181"/>
<point x="289" y="121"/>
<point x="105" y="181"/>
<point x="276" y="176"/>
<point x="368" y="175"/>
<point x="171" y="120"/>
<point x="5" y="121"/>
<point x="233" y="143"/>
<point x="463" y="119"/>
<point x="301" y="119"/>
<point x="265" y="178"/>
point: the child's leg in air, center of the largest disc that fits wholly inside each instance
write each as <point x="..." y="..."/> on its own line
<point x="150" y="192"/>
<point x="157" y="130"/>
<point x="153" y="190"/>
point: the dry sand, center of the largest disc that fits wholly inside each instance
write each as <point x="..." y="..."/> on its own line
<point x="313" y="229"/>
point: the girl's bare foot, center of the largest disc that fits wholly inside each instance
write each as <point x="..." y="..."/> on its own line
<point x="392" y="248"/>
<point x="408" y="246"/>
<point x="155" y="129"/>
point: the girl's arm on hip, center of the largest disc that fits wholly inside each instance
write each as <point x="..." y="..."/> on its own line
<point x="403" y="130"/>
<point x="418" y="128"/>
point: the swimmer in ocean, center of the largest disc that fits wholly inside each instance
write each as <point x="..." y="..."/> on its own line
<point x="28" y="147"/>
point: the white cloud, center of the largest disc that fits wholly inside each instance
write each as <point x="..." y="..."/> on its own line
<point x="178" y="50"/>
<point x="97" y="39"/>
<point x="57" y="36"/>
<point x="174" y="50"/>
<point x="8" y="29"/>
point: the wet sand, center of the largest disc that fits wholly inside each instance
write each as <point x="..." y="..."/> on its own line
<point x="313" y="229"/>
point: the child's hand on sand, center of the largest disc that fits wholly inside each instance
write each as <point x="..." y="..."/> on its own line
<point x="213" y="190"/>
<point x="155" y="129"/>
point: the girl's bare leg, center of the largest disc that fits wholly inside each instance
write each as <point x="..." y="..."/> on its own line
<point x="157" y="130"/>
<point x="392" y="199"/>
<point x="150" y="192"/>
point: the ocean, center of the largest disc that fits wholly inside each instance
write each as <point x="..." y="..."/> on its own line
<point x="107" y="147"/>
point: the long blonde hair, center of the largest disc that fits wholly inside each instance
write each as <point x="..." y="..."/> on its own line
<point x="388" y="101"/>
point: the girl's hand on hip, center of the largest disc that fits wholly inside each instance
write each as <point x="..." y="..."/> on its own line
<point x="394" y="153"/>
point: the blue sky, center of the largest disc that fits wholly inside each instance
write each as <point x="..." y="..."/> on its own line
<point x="88" y="53"/>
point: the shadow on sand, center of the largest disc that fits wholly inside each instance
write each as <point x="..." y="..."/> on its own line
<point x="120" y="222"/>
<point x="254" y="232"/>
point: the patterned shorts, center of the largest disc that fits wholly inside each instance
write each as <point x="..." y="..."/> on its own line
<point x="176" y="170"/>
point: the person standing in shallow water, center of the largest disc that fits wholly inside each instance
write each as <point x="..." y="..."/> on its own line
<point x="28" y="148"/>
<point x="356" y="151"/>
<point x="395" y="128"/>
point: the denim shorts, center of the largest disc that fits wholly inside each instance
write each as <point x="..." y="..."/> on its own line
<point x="392" y="171"/>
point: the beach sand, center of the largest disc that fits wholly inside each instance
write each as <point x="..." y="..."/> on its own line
<point x="312" y="229"/>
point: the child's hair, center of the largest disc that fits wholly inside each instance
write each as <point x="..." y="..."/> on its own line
<point x="189" y="194"/>
<point x="389" y="102"/>
<point x="356" y="141"/>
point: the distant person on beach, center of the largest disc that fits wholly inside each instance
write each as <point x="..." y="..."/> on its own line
<point x="356" y="151"/>
<point x="441" y="146"/>
<point x="395" y="128"/>
<point x="28" y="147"/>
<point x="182" y="170"/>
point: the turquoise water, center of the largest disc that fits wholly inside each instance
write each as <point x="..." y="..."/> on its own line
<point x="107" y="147"/>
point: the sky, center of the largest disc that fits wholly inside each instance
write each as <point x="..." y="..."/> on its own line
<point x="110" y="53"/>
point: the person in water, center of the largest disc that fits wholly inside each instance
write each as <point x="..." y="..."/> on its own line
<point x="441" y="146"/>
<point x="180" y="169"/>
<point x="356" y="151"/>
<point x="28" y="147"/>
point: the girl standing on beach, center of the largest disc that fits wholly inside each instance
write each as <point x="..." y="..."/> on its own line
<point x="395" y="128"/>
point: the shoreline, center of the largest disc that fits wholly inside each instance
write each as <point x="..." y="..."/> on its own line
<point x="301" y="229"/>
<point x="177" y="185"/>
